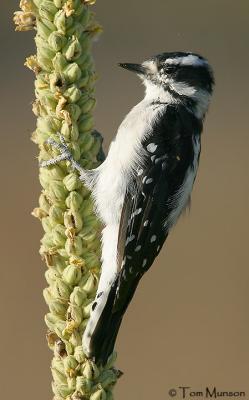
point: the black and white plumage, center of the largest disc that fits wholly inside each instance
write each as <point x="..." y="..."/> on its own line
<point x="145" y="183"/>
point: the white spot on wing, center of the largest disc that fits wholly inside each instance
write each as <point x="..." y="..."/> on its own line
<point x="129" y="239"/>
<point x="138" y="248"/>
<point x="152" y="147"/>
<point x="144" y="262"/>
<point x="153" y="238"/>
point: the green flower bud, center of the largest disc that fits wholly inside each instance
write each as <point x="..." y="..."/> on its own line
<point x="47" y="10"/>
<point x="73" y="201"/>
<point x="83" y="325"/>
<point x="48" y="101"/>
<point x="60" y="21"/>
<point x="58" y="307"/>
<point x="76" y="339"/>
<point x="90" y="284"/>
<point x="51" y="320"/>
<point x="47" y="295"/>
<point x="58" y="376"/>
<point x="43" y="30"/>
<point x="75" y="148"/>
<point x="51" y="275"/>
<point x="87" y="309"/>
<point x="91" y="221"/>
<point x="87" y="207"/>
<point x="87" y="233"/>
<point x="90" y="370"/>
<point x="63" y="390"/>
<point x="66" y="130"/>
<point x="69" y="348"/>
<point x="83" y="385"/>
<point x="56" y="214"/>
<point x="48" y="125"/>
<point x="44" y="203"/>
<point x="98" y="395"/>
<point x="59" y="62"/>
<point x="60" y="289"/>
<point x="71" y="381"/>
<point x="93" y="245"/>
<point x="72" y="94"/>
<point x="59" y="329"/>
<point x="72" y="275"/>
<point x="85" y="125"/>
<point x="46" y="224"/>
<point x="74" y="314"/>
<point x="78" y="296"/>
<point x="56" y="41"/>
<point x="70" y="364"/>
<point x="73" y="49"/>
<point x="71" y="181"/>
<point x="44" y="62"/>
<point x="59" y="236"/>
<point x="84" y="77"/>
<point x="79" y="354"/>
<point x="85" y="16"/>
<point x="47" y="241"/>
<point x="58" y="3"/>
<point x="57" y="191"/>
<point x="62" y="253"/>
<point x="92" y="260"/>
<point x="107" y="378"/>
<point x="43" y="48"/>
<point x="57" y="363"/>
<point x="72" y="72"/>
<point x="74" y="111"/>
<point x="37" y="2"/>
<point x="88" y="105"/>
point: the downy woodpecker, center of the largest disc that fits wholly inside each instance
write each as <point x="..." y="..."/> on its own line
<point x="144" y="184"/>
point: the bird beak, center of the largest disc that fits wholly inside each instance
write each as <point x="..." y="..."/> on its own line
<point x="138" y="68"/>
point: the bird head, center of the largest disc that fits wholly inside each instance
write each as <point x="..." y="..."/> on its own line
<point x="183" y="75"/>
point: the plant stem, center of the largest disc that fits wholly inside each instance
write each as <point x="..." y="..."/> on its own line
<point x="64" y="89"/>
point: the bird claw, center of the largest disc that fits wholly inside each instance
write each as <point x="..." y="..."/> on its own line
<point x="65" y="153"/>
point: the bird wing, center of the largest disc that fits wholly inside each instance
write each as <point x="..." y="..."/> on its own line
<point x="151" y="198"/>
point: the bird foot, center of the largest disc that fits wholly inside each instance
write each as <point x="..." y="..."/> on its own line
<point x="65" y="154"/>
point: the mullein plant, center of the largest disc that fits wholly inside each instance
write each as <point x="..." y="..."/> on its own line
<point x="64" y="90"/>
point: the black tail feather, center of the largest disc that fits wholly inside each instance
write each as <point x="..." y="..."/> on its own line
<point x="105" y="334"/>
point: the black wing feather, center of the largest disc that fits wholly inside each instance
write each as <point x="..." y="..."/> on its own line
<point x="141" y="233"/>
<point x="166" y="167"/>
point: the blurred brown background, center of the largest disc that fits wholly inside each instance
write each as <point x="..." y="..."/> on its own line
<point x="189" y="322"/>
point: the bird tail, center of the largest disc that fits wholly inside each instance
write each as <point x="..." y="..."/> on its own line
<point x="102" y="329"/>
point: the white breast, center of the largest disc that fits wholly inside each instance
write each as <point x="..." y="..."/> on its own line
<point x="125" y="155"/>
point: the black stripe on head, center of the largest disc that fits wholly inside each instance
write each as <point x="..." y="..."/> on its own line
<point x="189" y="68"/>
<point x="195" y="76"/>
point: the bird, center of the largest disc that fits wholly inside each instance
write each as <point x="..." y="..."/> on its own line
<point x="144" y="184"/>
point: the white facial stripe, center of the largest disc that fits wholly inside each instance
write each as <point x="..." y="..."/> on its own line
<point x="182" y="88"/>
<point x="191" y="59"/>
<point x="151" y="65"/>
